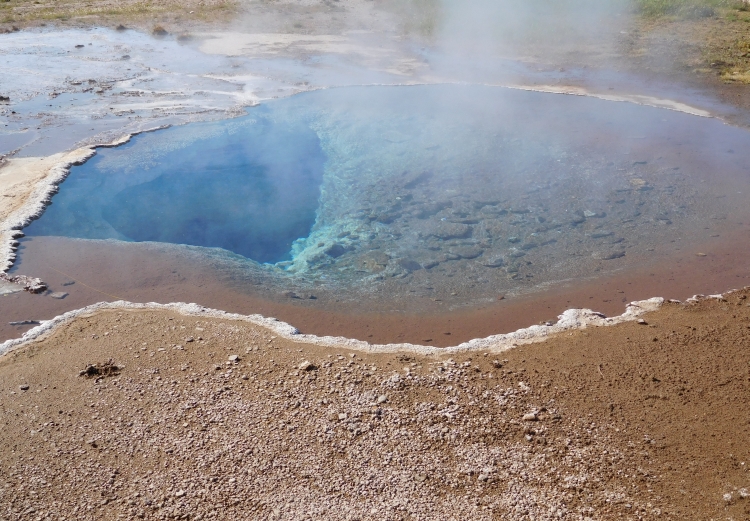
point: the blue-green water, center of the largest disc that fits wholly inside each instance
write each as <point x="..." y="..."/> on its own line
<point x="441" y="190"/>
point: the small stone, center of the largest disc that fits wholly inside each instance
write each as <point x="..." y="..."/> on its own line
<point x="306" y="366"/>
<point x="234" y="359"/>
<point x="342" y="416"/>
<point x="58" y="295"/>
<point x="530" y="417"/>
<point x="497" y="261"/>
<point x="642" y="322"/>
<point x="382" y="398"/>
<point x="24" y="387"/>
<point x="727" y="497"/>
<point x="189" y="339"/>
<point x="420" y="478"/>
<point x="179" y="493"/>
<point x="483" y="477"/>
<point x="744" y="494"/>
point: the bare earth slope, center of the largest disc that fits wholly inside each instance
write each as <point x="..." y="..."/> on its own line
<point x="635" y="421"/>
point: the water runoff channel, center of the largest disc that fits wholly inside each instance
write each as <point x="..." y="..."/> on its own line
<point x="428" y="213"/>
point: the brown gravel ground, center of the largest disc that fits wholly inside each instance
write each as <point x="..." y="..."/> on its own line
<point x="637" y="421"/>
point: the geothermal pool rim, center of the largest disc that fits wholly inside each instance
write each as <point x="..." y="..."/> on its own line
<point x="569" y="320"/>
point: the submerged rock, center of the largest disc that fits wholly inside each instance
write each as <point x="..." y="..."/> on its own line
<point x="410" y="265"/>
<point x="446" y="230"/>
<point x="496" y="261"/>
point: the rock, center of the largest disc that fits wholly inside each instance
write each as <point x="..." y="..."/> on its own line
<point x="159" y="31"/>
<point x="513" y="240"/>
<point x="108" y="368"/>
<point x="496" y="261"/>
<point x="483" y="477"/>
<point x="80" y="46"/>
<point x="420" y="478"/>
<point x="342" y="416"/>
<point x="189" y="339"/>
<point x="642" y="322"/>
<point x="382" y="398"/>
<point x="335" y="251"/>
<point x="410" y="265"/>
<point x="4" y="99"/>
<point x="530" y="417"/>
<point x="179" y="493"/>
<point x="68" y="283"/>
<point x="30" y="284"/>
<point x="125" y="57"/>
<point x="603" y="255"/>
<point x="120" y="28"/>
<point x="234" y="359"/>
<point x="24" y="323"/>
<point x="306" y="366"/>
<point x="589" y="214"/>
<point x="24" y="387"/>
<point x="446" y="230"/>
<point x="467" y="252"/>
<point x="58" y="295"/>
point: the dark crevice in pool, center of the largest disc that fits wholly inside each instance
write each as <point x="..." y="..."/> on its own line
<point x="250" y="186"/>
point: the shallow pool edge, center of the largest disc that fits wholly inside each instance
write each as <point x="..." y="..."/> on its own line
<point x="569" y="320"/>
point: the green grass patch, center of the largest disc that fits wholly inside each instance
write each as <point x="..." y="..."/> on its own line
<point x="685" y="8"/>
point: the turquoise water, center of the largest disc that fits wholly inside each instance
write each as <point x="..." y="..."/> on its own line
<point x="249" y="186"/>
<point x="448" y="190"/>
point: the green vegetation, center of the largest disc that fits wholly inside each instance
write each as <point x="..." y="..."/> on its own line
<point x="686" y="8"/>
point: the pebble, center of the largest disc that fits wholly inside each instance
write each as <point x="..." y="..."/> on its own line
<point x="189" y="339"/>
<point x="179" y="493"/>
<point x="495" y="262"/>
<point x="382" y="398"/>
<point x="530" y="417"/>
<point x="642" y="322"/>
<point x="306" y="366"/>
<point x="58" y="295"/>
<point x="234" y="358"/>
<point x="24" y="387"/>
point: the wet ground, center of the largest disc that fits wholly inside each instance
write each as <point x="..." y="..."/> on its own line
<point x="443" y="212"/>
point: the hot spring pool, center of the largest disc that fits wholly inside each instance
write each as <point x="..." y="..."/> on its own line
<point x="388" y="195"/>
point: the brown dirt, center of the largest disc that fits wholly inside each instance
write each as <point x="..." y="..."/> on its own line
<point x="632" y="422"/>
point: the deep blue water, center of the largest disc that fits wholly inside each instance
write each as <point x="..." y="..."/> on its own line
<point x="249" y="186"/>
